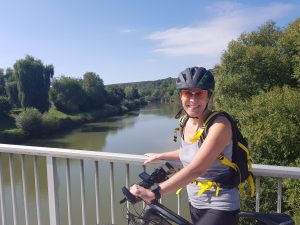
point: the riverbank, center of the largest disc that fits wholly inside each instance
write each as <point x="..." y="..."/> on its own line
<point x="55" y="121"/>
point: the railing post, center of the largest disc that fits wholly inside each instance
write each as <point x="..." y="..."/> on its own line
<point x="97" y="192"/>
<point x="37" y="190"/>
<point x="127" y="180"/>
<point x="112" y="193"/>
<point x="52" y="190"/>
<point x="257" y="187"/>
<point x="24" y="180"/>
<point x="279" y="194"/>
<point x="68" y="186"/>
<point x="2" y="202"/>
<point x="13" y="187"/>
<point x="82" y="190"/>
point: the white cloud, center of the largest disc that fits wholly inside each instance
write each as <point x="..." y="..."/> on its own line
<point x="210" y="38"/>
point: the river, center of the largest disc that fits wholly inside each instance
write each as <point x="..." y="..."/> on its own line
<point x="147" y="130"/>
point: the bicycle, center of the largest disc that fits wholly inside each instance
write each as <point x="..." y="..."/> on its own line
<point x="157" y="214"/>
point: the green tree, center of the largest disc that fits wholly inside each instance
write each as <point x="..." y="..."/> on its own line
<point x="289" y="45"/>
<point x="256" y="83"/>
<point x="271" y="123"/>
<point x="115" y="95"/>
<point x="131" y="93"/>
<point x="2" y="83"/>
<point x="33" y="82"/>
<point x="93" y="86"/>
<point x="11" y="88"/>
<point x="251" y="64"/>
<point x="67" y="95"/>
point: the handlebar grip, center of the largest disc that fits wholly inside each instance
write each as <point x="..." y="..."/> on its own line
<point x="123" y="200"/>
<point x="130" y="197"/>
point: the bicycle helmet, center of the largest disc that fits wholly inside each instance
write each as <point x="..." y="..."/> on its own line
<point x="196" y="77"/>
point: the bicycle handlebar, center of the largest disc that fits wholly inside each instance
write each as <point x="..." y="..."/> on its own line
<point x="159" y="175"/>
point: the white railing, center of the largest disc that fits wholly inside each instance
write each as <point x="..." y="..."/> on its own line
<point x="21" y="213"/>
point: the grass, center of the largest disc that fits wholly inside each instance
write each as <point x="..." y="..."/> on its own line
<point x="60" y="115"/>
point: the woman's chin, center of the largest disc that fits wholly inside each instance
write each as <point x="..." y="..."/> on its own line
<point x="194" y="113"/>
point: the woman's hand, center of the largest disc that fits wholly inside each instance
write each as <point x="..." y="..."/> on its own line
<point x="141" y="192"/>
<point x="152" y="157"/>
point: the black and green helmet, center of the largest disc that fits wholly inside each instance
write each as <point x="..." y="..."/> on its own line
<point x="196" y="77"/>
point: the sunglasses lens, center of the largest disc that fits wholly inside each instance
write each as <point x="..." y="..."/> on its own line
<point x="189" y="94"/>
<point x="186" y="94"/>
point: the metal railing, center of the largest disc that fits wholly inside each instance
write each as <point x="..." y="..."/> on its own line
<point x="21" y="213"/>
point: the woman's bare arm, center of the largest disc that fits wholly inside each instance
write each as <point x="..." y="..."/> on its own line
<point x="171" y="155"/>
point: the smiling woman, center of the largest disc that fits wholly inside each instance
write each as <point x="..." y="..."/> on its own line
<point x="210" y="201"/>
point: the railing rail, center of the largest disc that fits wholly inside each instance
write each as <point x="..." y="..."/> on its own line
<point x="53" y="154"/>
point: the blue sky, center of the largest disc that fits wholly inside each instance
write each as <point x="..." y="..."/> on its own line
<point x="133" y="40"/>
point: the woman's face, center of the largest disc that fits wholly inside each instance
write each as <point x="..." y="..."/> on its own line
<point x="194" y="101"/>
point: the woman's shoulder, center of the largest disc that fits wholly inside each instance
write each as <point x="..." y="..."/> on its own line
<point x="221" y="118"/>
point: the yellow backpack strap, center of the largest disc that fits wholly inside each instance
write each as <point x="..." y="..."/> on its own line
<point x="206" y="186"/>
<point x="244" y="148"/>
<point x="178" y="191"/>
<point x="182" y="122"/>
<point x="209" y="117"/>
<point x="225" y="161"/>
<point x="252" y="185"/>
<point x="199" y="134"/>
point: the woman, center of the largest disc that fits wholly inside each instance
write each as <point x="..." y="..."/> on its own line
<point x="212" y="205"/>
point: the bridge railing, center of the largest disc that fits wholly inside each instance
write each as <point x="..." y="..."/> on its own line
<point x="20" y="164"/>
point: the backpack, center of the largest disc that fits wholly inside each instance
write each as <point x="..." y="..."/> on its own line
<point x="241" y="164"/>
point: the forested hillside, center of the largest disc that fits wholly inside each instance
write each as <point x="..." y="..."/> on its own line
<point x="160" y="90"/>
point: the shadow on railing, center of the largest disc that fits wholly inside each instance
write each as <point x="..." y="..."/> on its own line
<point x="54" y="186"/>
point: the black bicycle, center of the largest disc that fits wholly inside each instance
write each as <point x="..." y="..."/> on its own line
<point x="157" y="214"/>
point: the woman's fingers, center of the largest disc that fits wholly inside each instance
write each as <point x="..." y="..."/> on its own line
<point x="151" y="157"/>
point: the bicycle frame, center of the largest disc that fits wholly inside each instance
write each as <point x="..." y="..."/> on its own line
<point x="263" y="218"/>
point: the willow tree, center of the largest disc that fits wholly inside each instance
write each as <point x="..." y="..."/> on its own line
<point x="33" y="82"/>
<point x="11" y="88"/>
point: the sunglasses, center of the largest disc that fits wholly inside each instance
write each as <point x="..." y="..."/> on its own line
<point x="190" y="93"/>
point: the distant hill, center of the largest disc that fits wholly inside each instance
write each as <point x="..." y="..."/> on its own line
<point x="162" y="90"/>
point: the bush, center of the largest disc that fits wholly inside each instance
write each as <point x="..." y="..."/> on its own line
<point x="49" y="123"/>
<point x="30" y="121"/>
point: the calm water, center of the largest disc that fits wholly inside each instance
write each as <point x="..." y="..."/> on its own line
<point x="147" y="130"/>
<point x="150" y="129"/>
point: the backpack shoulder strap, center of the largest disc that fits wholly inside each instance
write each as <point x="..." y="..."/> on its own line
<point x="211" y="118"/>
<point x="182" y="122"/>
